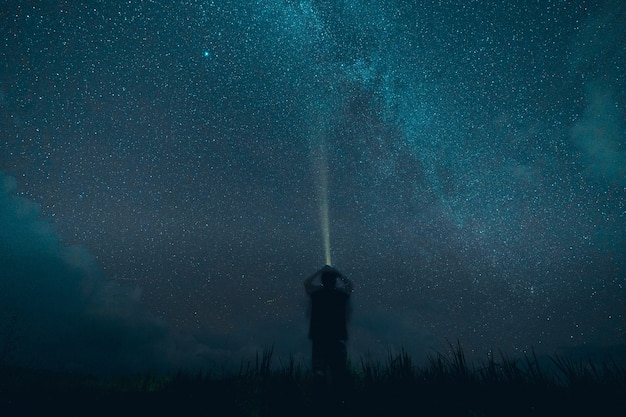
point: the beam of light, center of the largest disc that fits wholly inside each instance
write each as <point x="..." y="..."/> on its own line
<point x="320" y="157"/>
<point x="323" y="201"/>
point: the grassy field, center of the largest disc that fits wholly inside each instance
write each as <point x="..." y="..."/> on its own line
<point x="446" y="386"/>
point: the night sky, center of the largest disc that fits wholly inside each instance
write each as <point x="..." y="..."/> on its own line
<point x="162" y="168"/>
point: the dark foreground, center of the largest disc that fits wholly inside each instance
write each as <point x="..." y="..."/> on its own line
<point x="448" y="386"/>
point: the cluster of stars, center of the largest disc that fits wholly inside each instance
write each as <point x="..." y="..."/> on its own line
<point x="467" y="191"/>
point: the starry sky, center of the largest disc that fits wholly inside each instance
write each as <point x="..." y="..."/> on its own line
<point x="162" y="167"/>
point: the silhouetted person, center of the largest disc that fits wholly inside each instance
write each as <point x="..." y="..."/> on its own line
<point x="328" y="329"/>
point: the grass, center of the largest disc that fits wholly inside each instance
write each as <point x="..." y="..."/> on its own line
<point x="447" y="386"/>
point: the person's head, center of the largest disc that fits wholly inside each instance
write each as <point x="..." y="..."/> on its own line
<point x="329" y="277"/>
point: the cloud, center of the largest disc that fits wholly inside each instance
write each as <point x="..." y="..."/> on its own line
<point x="58" y="310"/>
<point x="601" y="134"/>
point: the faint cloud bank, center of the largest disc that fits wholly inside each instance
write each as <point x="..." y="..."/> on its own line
<point x="601" y="134"/>
<point x="59" y="311"/>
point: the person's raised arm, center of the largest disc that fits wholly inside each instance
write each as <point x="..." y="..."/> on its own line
<point x="347" y="284"/>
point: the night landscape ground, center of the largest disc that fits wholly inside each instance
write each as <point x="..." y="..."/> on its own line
<point x="447" y="386"/>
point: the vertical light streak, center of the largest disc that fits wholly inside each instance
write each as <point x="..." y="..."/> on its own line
<point x="320" y="159"/>
<point x="323" y="201"/>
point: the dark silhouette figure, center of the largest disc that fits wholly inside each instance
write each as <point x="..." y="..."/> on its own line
<point x="328" y="326"/>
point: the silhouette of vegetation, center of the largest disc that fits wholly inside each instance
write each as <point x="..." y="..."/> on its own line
<point x="447" y="386"/>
